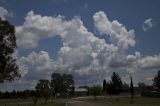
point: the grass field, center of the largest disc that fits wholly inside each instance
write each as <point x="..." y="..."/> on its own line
<point x="28" y="102"/>
<point x="14" y="100"/>
<point x="126" y="100"/>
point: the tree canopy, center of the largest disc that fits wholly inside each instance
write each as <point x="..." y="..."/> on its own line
<point x="95" y="90"/>
<point x="104" y="85"/>
<point x="43" y="89"/>
<point x="115" y="85"/>
<point x="8" y="66"/>
<point x="156" y="80"/>
<point x="62" y="83"/>
<point x="131" y="86"/>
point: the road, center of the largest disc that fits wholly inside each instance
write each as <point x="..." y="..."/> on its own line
<point x="82" y="103"/>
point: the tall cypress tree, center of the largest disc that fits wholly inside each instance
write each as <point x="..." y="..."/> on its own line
<point x="131" y="89"/>
<point x="104" y="85"/>
<point x="115" y="85"/>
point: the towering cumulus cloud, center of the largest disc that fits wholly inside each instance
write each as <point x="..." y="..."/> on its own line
<point x="3" y="13"/>
<point x="82" y="53"/>
<point x="117" y="32"/>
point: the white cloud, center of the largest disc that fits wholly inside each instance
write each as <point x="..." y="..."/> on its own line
<point x="150" y="62"/>
<point x="3" y="13"/>
<point x="37" y="27"/>
<point x="82" y="53"/>
<point x="118" y="33"/>
<point x="147" y="24"/>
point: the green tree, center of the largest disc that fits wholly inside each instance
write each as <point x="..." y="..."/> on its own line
<point x="56" y="83"/>
<point x="115" y="85"/>
<point x="8" y="67"/>
<point x="95" y="90"/>
<point x="68" y="83"/>
<point x="156" y="80"/>
<point x="131" y="89"/>
<point x="43" y="89"/>
<point x="62" y="84"/>
<point x="104" y="86"/>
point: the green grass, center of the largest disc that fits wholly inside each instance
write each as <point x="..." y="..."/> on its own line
<point x="14" y="100"/>
<point x="126" y="100"/>
<point x="27" y="102"/>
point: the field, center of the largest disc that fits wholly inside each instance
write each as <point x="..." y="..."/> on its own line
<point x="138" y="101"/>
<point x="126" y="100"/>
<point x="28" y="102"/>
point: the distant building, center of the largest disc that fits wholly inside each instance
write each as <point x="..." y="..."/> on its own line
<point x="81" y="91"/>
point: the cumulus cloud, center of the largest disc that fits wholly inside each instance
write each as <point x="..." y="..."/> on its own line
<point x="147" y="24"/>
<point x="82" y="54"/>
<point x="150" y="62"/>
<point x="118" y="33"/>
<point x="37" y="27"/>
<point x="33" y="67"/>
<point x="3" y="13"/>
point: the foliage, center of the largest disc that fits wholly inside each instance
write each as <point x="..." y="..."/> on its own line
<point x="104" y="85"/>
<point x="131" y="89"/>
<point x="156" y="80"/>
<point x="115" y="85"/>
<point x="95" y="90"/>
<point x="62" y="84"/>
<point x="8" y="66"/>
<point x="131" y="86"/>
<point x="17" y="94"/>
<point x="43" y="89"/>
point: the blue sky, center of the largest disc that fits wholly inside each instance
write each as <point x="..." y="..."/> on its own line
<point x="141" y="47"/>
<point x="131" y="13"/>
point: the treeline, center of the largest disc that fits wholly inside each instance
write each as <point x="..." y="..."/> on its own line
<point x="61" y="85"/>
<point x="113" y="87"/>
<point x="17" y="94"/>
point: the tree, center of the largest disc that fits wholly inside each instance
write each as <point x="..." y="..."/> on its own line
<point x="43" y="89"/>
<point x="131" y="89"/>
<point x="62" y="84"/>
<point x="104" y="85"/>
<point x="8" y="67"/>
<point x="115" y="85"/>
<point x="156" y="80"/>
<point x="56" y="84"/>
<point x="68" y="82"/>
<point x="95" y="90"/>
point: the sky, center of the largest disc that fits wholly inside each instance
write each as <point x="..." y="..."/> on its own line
<point x="89" y="39"/>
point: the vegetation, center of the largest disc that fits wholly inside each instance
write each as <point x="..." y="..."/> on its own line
<point x="104" y="86"/>
<point x="131" y="89"/>
<point x="8" y="67"/>
<point x="27" y="102"/>
<point x="126" y="100"/>
<point x="42" y="90"/>
<point x="115" y="85"/>
<point x="95" y="90"/>
<point x="156" y="80"/>
<point x="62" y="84"/>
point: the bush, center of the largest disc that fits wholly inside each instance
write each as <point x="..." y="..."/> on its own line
<point x="95" y="90"/>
